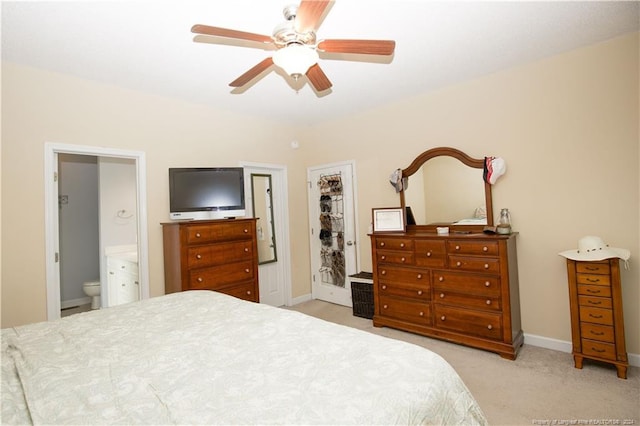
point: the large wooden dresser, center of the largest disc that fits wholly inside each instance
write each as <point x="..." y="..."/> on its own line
<point x="219" y="255"/>
<point x="458" y="287"/>
<point x="597" y="323"/>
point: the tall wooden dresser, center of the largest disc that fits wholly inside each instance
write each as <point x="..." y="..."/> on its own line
<point x="597" y="324"/>
<point x="219" y="255"/>
<point x="458" y="287"/>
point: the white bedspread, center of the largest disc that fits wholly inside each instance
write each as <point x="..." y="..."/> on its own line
<point x="201" y="357"/>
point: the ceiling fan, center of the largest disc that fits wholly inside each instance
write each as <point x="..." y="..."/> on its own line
<point x="295" y="45"/>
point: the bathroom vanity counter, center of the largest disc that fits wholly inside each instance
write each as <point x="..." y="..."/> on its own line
<point x="122" y="275"/>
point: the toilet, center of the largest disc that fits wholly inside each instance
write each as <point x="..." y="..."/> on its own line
<point x="92" y="288"/>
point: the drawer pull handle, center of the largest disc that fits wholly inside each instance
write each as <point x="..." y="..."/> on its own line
<point x="381" y="244"/>
<point x="591" y="268"/>
<point x="198" y="256"/>
<point x="428" y="254"/>
<point x="385" y="306"/>
<point x="246" y="231"/>
<point x="419" y="276"/>
<point x="591" y="280"/>
<point x="594" y="303"/>
<point x="249" y="292"/>
<point x="246" y="249"/>
<point x="383" y="272"/>
<point x="421" y="314"/>
<point x="490" y="327"/>
<point x="247" y="270"/>
<point x="197" y="235"/>
<point x="458" y="264"/>
<point x="487" y="284"/>
<point x="200" y="279"/>
<point x="597" y="333"/>
<point x="593" y="291"/>
<point x="486" y="266"/>
<point x="442" y="318"/>
<point x="383" y="257"/>
<point x="384" y="286"/>
<point x="419" y="292"/>
<point x="457" y="247"/>
<point x="441" y="279"/>
<point x="488" y="301"/>
<point x="403" y="259"/>
<point x="597" y="350"/>
<point x="441" y="295"/>
<point x="401" y="245"/>
<point x="595" y="316"/>
<point x="123" y="284"/>
<point x="485" y="248"/>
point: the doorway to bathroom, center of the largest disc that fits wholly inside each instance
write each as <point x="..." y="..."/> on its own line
<point x="95" y="207"/>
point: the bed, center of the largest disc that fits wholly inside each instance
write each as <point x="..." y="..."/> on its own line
<point x="201" y="357"/>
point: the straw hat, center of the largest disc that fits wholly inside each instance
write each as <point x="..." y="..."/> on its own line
<point x="593" y="248"/>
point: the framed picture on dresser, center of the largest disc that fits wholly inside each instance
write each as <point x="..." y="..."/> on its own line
<point x="388" y="219"/>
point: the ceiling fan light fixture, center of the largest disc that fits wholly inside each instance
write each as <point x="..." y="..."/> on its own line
<point x="295" y="59"/>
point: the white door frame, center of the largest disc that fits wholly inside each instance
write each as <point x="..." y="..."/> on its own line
<point x="51" y="151"/>
<point x="281" y="219"/>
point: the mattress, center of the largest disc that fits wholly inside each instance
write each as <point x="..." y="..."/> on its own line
<point x="201" y="357"/>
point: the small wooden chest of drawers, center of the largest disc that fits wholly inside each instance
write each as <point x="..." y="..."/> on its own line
<point x="219" y="255"/>
<point x="461" y="287"/>
<point x="597" y="325"/>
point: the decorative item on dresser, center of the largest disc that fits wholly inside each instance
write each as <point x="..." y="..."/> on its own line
<point x="461" y="285"/>
<point x="219" y="255"/>
<point x="595" y="296"/>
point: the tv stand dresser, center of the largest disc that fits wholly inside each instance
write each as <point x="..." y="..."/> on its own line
<point x="459" y="287"/>
<point x="219" y="255"/>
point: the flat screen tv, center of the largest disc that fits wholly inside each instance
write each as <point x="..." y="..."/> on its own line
<point x="206" y="193"/>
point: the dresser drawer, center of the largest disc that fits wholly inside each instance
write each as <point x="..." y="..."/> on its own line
<point x="596" y="315"/>
<point x="467" y="321"/>
<point x="489" y="248"/>
<point x="397" y="274"/>
<point x="596" y="302"/>
<point x="593" y="279"/>
<point x="488" y="285"/>
<point x="218" y="254"/>
<point x="603" y="333"/>
<point x="219" y="276"/>
<point x="197" y="234"/>
<point x="405" y="310"/>
<point x="244" y="291"/>
<point x="394" y="244"/>
<point x="399" y="258"/>
<point x="593" y="268"/>
<point x="421" y="292"/>
<point x="466" y="300"/>
<point x="430" y="253"/>
<point x="598" y="349"/>
<point x="475" y="264"/>
<point x="594" y="290"/>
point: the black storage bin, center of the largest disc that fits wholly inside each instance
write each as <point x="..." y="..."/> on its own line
<point x="362" y="294"/>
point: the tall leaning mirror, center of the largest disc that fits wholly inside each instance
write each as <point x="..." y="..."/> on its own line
<point x="446" y="187"/>
<point x="263" y="210"/>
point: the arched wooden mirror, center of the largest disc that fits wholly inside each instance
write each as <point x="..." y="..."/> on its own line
<point x="445" y="187"/>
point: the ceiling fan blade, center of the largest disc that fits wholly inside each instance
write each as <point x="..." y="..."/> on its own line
<point x="223" y="32"/>
<point x="309" y="14"/>
<point x="318" y="78"/>
<point x="252" y="73"/>
<point x="365" y="47"/>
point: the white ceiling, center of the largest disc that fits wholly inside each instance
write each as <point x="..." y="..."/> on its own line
<point x="147" y="46"/>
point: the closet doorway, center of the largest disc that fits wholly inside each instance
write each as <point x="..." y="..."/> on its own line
<point x="110" y="228"/>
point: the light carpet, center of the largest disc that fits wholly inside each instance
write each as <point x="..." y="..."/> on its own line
<point x="540" y="387"/>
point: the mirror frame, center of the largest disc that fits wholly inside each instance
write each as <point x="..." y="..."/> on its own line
<point x="270" y="224"/>
<point x="476" y="163"/>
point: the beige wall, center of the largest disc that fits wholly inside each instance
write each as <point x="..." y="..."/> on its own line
<point x="567" y="127"/>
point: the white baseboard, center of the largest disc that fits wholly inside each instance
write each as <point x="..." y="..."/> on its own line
<point x="75" y="302"/>
<point x="301" y="299"/>
<point x="563" y="346"/>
